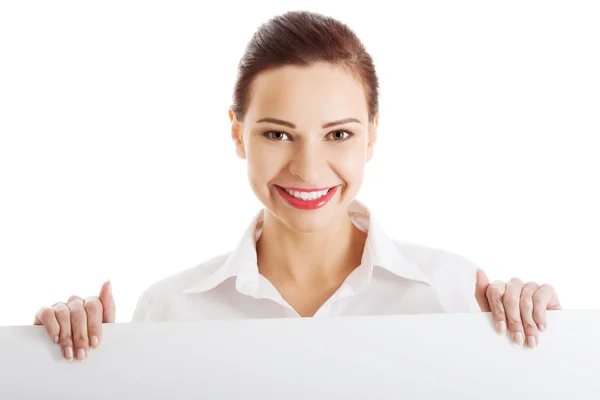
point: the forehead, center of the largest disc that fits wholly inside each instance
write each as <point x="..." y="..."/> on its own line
<point x="307" y="94"/>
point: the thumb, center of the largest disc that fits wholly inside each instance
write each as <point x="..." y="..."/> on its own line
<point x="481" y="286"/>
<point x="108" y="303"/>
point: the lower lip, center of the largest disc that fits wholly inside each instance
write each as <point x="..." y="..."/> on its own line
<point x="306" y="204"/>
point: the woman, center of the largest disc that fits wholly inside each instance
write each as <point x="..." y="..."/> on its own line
<point x="305" y="117"/>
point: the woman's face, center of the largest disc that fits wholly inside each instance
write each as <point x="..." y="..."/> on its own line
<point x="307" y="137"/>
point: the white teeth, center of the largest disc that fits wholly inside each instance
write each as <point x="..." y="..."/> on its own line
<point x="307" y="195"/>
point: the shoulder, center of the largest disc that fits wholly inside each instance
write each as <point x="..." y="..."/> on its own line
<point x="435" y="261"/>
<point x="453" y="276"/>
<point x="161" y="290"/>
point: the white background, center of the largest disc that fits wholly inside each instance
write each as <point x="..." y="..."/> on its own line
<point x="116" y="160"/>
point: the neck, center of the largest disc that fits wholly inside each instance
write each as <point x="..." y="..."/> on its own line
<point x="315" y="258"/>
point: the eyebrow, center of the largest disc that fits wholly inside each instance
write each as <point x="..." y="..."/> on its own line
<point x="290" y="125"/>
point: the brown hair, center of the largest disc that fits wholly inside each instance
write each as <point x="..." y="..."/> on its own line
<point x="304" y="38"/>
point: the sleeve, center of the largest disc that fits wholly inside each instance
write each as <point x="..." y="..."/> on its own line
<point x="473" y="305"/>
<point x="467" y="284"/>
<point x="143" y="307"/>
<point x="459" y="282"/>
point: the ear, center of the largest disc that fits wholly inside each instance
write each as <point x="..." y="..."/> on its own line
<point x="236" y="135"/>
<point x="372" y="137"/>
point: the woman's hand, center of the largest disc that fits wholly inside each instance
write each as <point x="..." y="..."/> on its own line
<point x="517" y="307"/>
<point x="77" y="324"/>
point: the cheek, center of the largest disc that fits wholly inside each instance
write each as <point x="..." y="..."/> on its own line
<point x="350" y="164"/>
<point x="264" y="164"/>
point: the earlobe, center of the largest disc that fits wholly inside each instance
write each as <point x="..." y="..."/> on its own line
<point x="373" y="131"/>
<point x="240" y="150"/>
<point x="372" y="137"/>
<point x="238" y="140"/>
<point x="236" y="135"/>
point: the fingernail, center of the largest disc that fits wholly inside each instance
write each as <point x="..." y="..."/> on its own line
<point x="81" y="354"/>
<point x="69" y="353"/>
<point x="531" y="341"/>
<point x="542" y="328"/>
<point x="56" y="340"/>
<point x="519" y="338"/>
<point x="94" y="341"/>
<point x="501" y="327"/>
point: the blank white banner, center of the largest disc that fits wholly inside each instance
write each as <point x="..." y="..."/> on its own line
<point x="446" y="356"/>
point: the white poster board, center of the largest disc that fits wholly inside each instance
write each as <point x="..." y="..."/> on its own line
<point x="446" y="356"/>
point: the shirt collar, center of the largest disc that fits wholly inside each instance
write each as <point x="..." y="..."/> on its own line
<point x="380" y="251"/>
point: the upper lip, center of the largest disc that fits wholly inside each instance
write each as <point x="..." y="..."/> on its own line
<point x="295" y="189"/>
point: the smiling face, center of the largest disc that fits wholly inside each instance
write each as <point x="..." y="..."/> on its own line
<point x="306" y="136"/>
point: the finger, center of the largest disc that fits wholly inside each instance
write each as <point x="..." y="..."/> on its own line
<point x="532" y="334"/>
<point x="79" y="327"/>
<point x="481" y="286"/>
<point x="63" y="316"/>
<point x="494" y="294"/>
<point x="544" y="299"/>
<point x="47" y="317"/>
<point x="108" y="303"/>
<point x="512" y="307"/>
<point x="93" y="310"/>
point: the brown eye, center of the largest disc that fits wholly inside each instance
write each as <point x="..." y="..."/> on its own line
<point x="277" y="135"/>
<point x="340" y="135"/>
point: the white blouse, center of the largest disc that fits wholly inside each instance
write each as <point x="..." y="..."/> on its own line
<point x="393" y="278"/>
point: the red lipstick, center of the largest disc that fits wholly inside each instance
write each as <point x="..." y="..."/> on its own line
<point x="306" y="204"/>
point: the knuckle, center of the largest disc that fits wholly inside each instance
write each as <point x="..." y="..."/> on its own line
<point x="80" y="341"/>
<point x="541" y="294"/>
<point x="94" y="323"/>
<point x="59" y="306"/>
<point x="93" y="331"/>
<point x="93" y="307"/>
<point x="63" y="314"/>
<point x="526" y="302"/>
<point x="499" y="317"/>
<point x="73" y="299"/>
<point x="516" y="281"/>
<point x="66" y="340"/>
<point x="511" y="301"/>
<point x="529" y="325"/>
<point x="78" y="315"/>
<point x="74" y="304"/>
<point x="497" y="305"/>
<point x="545" y="286"/>
<point x="494" y="293"/>
<point x="530" y="289"/>
<point x="45" y="314"/>
<point x="53" y="333"/>
<point x="514" y="324"/>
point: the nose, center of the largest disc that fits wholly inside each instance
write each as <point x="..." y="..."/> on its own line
<point x="307" y="163"/>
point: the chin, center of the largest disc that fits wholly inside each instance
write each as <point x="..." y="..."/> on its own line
<point x="308" y="221"/>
